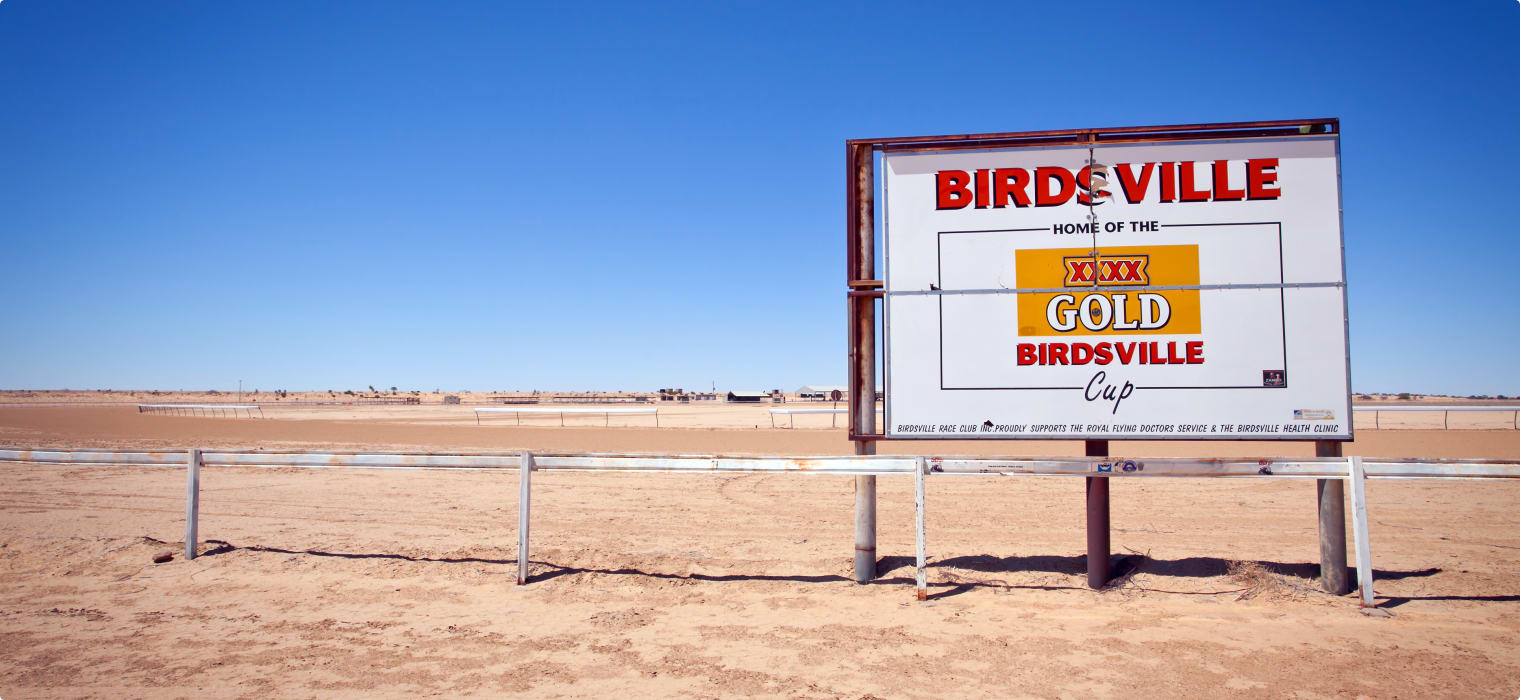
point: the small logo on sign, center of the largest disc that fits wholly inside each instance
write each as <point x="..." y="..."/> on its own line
<point x="1274" y="377"/>
<point x="1109" y="270"/>
<point x="1313" y="414"/>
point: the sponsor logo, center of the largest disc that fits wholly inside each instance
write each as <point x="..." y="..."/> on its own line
<point x="1099" y="300"/>
<point x="1109" y="270"/>
<point x="1313" y="414"/>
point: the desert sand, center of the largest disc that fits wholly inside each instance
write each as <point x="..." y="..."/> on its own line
<point x="364" y="583"/>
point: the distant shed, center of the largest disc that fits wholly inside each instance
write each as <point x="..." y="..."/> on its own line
<point x="748" y="396"/>
<point x="816" y="392"/>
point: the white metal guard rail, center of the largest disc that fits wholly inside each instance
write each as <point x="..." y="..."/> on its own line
<point x="607" y="413"/>
<point x="833" y="422"/>
<point x="1445" y="411"/>
<point x="1354" y="469"/>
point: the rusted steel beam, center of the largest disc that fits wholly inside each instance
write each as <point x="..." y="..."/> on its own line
<point x="1088" y="139"/>
<point x="862" y="338"/>
<point x="1330" y="125"/>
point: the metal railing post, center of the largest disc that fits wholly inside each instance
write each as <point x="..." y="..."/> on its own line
<point x="918" y="523"/>
<point x="192" y="502"/>
<point x="1359" y="523"/>
<point x="524" y="507"/>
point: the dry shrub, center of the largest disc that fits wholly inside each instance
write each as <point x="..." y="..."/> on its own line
<point x="1256" y="580"/>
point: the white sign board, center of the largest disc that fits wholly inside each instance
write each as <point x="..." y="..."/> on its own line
<point x="1198" y="293"/>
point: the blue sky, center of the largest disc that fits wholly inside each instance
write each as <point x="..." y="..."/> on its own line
<point x="587" y="196"/>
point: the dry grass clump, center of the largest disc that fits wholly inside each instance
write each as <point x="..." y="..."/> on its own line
<point x="1256" y="580"/>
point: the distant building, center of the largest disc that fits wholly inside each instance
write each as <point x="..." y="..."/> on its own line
<point x="818" y="392"/>
<point x="748" y="396"/>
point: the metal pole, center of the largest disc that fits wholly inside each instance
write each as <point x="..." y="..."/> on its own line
<point x="1359" y="519"/>
<point x="865" y="522"/>
<point x="1097" y="520"/>
<point x="1334" y="575"/>
<point x="863" y="351"/>
<point x="918" y="524"/>
<point x="524" y="506"/>
<point x="192" y="502"/>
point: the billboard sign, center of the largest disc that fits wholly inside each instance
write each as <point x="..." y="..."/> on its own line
<point x="1189" y="289"/>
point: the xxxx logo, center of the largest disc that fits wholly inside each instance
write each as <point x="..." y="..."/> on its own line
<point x="1122" y="270"/>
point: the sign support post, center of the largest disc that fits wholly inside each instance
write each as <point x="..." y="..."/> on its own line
<point x="1097" y="521"/>
<point x="1333" y="574"/>
<point x="862" y="370"/>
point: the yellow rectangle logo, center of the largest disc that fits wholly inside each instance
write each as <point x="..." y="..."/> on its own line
<point x="1097" y="303"/>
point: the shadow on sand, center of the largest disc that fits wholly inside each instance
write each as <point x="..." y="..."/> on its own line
<point x="1121" y="566"/>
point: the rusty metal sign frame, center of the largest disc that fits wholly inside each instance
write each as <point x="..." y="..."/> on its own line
<point x="864" y="289"/>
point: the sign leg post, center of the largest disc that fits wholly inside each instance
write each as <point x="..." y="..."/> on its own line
<point x="865" y="523"/>
<point x="1097" y="520"/>
<point x="862" y="376"/>
<point x="1334" y="576"/>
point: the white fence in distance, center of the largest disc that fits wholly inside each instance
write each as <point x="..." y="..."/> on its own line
<point x="606" y="413"/>
<point x="1445" y="411"/>
<point x="199" y="409"/>
<point x="789" y="412"/>
<point x="1356" y="470"/>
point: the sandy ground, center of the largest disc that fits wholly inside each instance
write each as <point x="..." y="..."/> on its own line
<point x="361" y="583"/>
